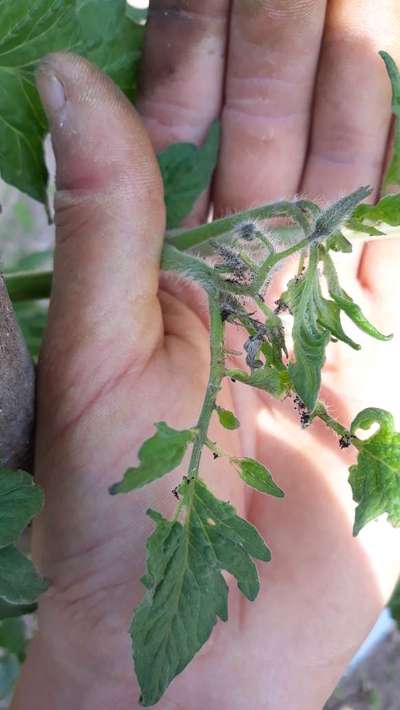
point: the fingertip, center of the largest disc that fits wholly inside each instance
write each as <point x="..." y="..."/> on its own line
<point x="97" y="135"/>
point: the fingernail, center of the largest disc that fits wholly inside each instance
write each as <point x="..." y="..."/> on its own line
<point x="51" y="91"/>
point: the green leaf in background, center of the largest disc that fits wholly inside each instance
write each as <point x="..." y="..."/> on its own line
<point x="158" y="455"/>
<point x="9" y="671"/>
<point x="30" y="29"/>
<point x="257" y="476"/>
<point x="186" y="591"/>
<point x="309" y="337"/>
<point x="187" y="171"/>
<point x="9" y="611"/>
<point x="99" y="19"/>
<point x="227" y="418"/>
<point x="375" y="478"/>
<point x="19" y="581"/>
<point x="392" y="177"/>
<point x="386" y="211"/>
<point x="20" y="500"/>
<point x="137" y="14"/>
<point x="35" y="260"/>
<point x="119" y="56"/>
<point x="13" y="637"/>
<point x="32" y="319"/>
<point x="394" y="605"/>
<point x="346" y="304"/>
<point x="32" y="315"/>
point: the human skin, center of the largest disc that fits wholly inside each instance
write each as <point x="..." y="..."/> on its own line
<point x="123" y="350"/>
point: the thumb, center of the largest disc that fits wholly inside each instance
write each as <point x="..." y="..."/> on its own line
<point x="109" y="219"/>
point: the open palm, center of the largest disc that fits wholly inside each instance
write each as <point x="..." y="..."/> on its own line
<point x="121" y="354"/>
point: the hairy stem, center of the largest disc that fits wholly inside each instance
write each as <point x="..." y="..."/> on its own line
<point x="274" y="259"/>
<point x="217" y="372"/>
<point x="321" y="413"/>
<point x="211" y="230"/>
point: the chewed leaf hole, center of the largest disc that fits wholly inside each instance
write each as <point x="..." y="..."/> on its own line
<point x="365" y="434"/>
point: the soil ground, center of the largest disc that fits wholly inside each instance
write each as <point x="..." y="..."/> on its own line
<point x="375" y="683"/>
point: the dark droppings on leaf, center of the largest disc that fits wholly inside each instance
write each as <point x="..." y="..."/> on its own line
<point x="281" y="307"/>
<point x="300" y="407"/>
<point x="345" y="442"/>
<point x="175" y="492"/>
<point x="215" y="455"/>
<point x="233" y="379"/>
<point x="305" y="420"/>
<point x="246" y="231"/>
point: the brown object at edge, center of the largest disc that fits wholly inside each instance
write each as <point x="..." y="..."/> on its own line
<point x="17" y="390"/>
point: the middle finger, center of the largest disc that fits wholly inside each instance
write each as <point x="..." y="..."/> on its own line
<point x="273" y="56"/>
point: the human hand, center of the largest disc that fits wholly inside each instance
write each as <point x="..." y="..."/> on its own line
<point x="112" y="347"/>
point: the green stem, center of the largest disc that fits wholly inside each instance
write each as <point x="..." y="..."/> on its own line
<point x="301" y="264"/>
<point x="217" y="372"/>
<point x="34" y="285"/>
<point x="28" y="285"/>
<point x="274" y="259"/>
<point x="321" y="413"/>
<point x="267" y="242"/>
<point x="211" y="230"/>
<point x="268" y="312"/>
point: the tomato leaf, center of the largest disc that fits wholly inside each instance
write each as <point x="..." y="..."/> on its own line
<point x="346" y="303"/>
<point x="227" y="418"/>
<point x="19" y="581"/>
<point x="276" y="382"/>
<point x="20" y="500"/>
<point x="13" y="637"/>
<point x="329" y="318"/>
<point x="372" y="218"/>
<point x="186" y="591"/>
<point x="309" y="337"/>
<point x="338" y="242"/>
<point x="9" y="611"/>
<point x="392" y="176"/>
<point x="99" y="19"/>
<point x="30" y="29"/>
<point x="375" y="478"/>
<point x="257" y="476"/>
<point x="187" y="170"/>
<point x="118" y="56"/>
<point x="9" y="671"/>
<point x="157" y="456"/>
